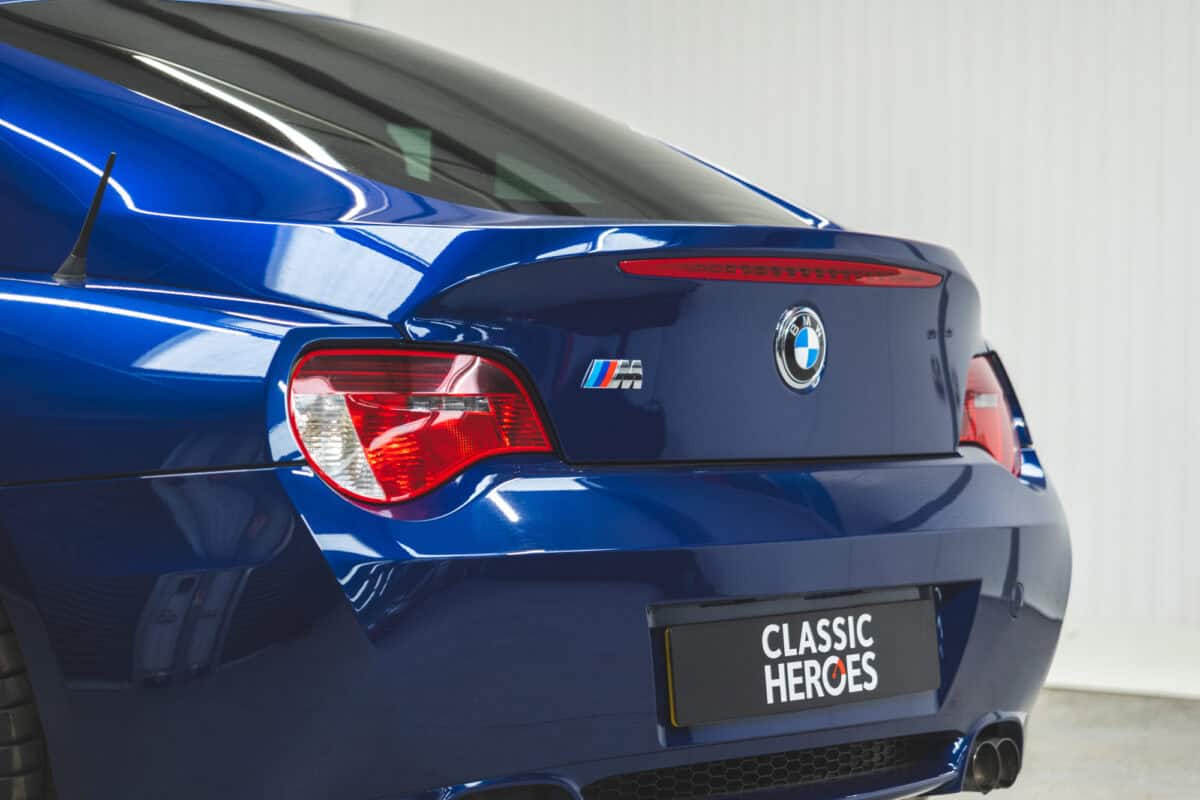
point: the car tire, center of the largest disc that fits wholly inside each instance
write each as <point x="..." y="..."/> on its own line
<point x="23" y="769"/>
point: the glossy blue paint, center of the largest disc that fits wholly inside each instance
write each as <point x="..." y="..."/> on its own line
<point x="711" y="390"/>
<point x="118" y="379"/>
<point x="202" y="612"/>
<point x="398" y="670"/>
<point x="259" y="223"/>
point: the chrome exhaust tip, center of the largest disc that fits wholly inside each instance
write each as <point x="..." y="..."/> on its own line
<point x="1010" y="762"/>
<point x="984" y="766"/>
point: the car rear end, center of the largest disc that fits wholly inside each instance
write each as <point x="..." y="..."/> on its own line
<point x="689" y="578"/>
<point x="446" y="440"/>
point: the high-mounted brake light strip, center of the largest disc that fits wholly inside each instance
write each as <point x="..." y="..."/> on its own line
<point x="768" y="269"/>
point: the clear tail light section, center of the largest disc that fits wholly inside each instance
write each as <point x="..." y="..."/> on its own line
<point x="387" y="425"/>
<point x="987" y="416"/>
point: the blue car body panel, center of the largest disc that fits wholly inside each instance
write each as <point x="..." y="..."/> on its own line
<point x="397" y="670"/>
<point x="202" y="615"/>
<point x="121" y="380"/>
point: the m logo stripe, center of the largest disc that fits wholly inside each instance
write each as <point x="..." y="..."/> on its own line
<point x="593" y="375"/>
<point x="613" y="373"/>
<point x="609" y="371"/>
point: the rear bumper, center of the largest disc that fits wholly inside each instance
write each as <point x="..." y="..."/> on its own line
<point x="498" y="629"/>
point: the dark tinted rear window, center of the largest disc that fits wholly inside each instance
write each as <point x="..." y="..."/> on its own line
<point x="384" y="107"/>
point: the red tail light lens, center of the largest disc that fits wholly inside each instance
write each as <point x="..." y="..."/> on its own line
<point x="987" y="417"/>
<point x="766" y="269"/>
<point x="388" y="425"/>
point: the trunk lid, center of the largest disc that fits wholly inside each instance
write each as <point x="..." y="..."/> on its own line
<point x="710" y="387"/>
<point x="551" y="295"/>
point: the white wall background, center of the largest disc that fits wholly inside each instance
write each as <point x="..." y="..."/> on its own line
<point x="1054" y="145"/>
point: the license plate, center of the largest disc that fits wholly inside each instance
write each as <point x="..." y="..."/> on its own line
<point x="783" y="663"/>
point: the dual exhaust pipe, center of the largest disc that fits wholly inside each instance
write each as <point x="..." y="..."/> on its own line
<point x="994" y="764"/>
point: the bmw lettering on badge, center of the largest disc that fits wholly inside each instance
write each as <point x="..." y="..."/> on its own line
<point x="746" y="667"/>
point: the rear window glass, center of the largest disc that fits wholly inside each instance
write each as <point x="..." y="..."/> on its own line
<point x="385" y="107"/>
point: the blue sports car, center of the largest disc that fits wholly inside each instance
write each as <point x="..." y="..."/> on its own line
<point x="377" y="427"/>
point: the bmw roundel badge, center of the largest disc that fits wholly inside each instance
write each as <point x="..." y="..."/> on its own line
<point x="800" y="348"/>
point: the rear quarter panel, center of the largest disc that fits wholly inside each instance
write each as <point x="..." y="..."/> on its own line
<point x="119" y="380"/>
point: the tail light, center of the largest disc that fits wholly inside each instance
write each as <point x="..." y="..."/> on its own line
<point x="387" y="425"/>
<point x="987" y="417"/>
<point x="771" y="269"/>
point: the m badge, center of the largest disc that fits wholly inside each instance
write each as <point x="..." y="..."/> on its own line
<point x="612" y="373"/>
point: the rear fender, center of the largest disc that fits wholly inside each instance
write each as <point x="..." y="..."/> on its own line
<point x="114" y="379"/>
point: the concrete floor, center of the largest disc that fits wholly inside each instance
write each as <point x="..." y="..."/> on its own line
<point x="1103" y="747"/>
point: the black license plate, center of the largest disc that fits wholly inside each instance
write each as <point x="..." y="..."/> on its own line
<point x="790" y="662"/>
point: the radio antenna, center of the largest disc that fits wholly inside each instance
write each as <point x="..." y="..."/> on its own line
<point x="73" y="271"/>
